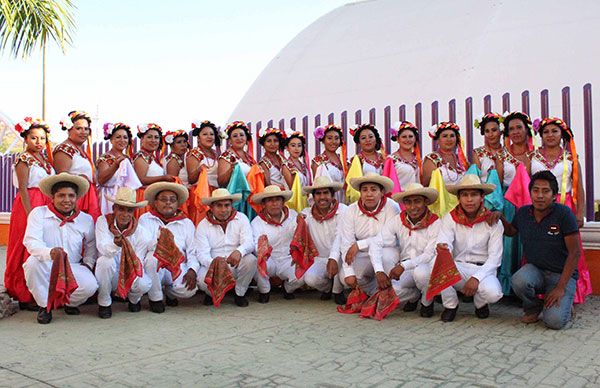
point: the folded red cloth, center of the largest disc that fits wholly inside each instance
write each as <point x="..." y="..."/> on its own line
<point x="354" y="303"/>
<point x="62" y="281"/>
<point x="444" y="273"/>
<point x="263" y="253"/>
<point x="131" y="266"/>
<point x="219" y="280"/>
<point x="302" y="248"/>
<point x="380" y="304"/>
<point x="168" y="254"/>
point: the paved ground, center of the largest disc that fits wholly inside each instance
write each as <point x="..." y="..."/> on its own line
<point x="297" y="343"/>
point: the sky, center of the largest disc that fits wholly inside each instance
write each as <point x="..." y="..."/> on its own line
<point x="168" y="62"/>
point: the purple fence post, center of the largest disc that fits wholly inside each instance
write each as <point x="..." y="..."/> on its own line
<point x="487" y="104"/>
<point x="434" y="121"/>
<point x="317" y="143"/>
<point x="505" y="103"/>
<point x="469" y="126"/>
<point x="545" y="102"/>
<point x="372" y="116"/>
<point x="387" y="123"/>
<point x="270" y="124"/>
<point x="566" y="105"/>
<point x="293" y="124"/>
<point x="588" y="128"/>
<point x="305" y="125"/>
<point x="357" y="122"/>
<point x="525" y="101"/>
<point x="452" y="110"/>
<point x="330" y="119"/>
<point x="402" y="113"/>
<point x="344" y="125"/>
<point x="257" y="143"/>
<point x="419" y="122"/>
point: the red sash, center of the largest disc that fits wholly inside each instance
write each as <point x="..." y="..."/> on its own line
<point x="62" y="281"/>
<point x="354" y="303"/>
<point x="444" y="273"/>
<point x="219" y="280"/>
<point x="263" y="252"/>
<point x="302" y="248"/>
<point x="168" y="254"/>
<point x="380" y="304"/>
<point x="131" y="266"/>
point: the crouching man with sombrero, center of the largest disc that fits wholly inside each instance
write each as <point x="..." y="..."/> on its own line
<point x="408" y="241"/>
<point x="122" y="245"/>
<point x="171" y="261"/>
<point x="475" y="246"/>
<point x="60" y="241"/>
<point x="224" y="245"/>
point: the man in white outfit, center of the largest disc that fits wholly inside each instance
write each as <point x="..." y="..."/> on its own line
<point x="409" y="241"/>
<point x="226" y="233"/>
<point x="278" y="223"/>
<point x="179" y="281"/>
<point x="323" y="218"/>
<point x="113" y="231"/>
<point x="55" y="229"/>
<point x="360" y="225"/>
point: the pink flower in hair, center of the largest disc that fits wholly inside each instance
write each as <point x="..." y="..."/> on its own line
<point x="108" y="128"/>
<point x="319" y="132"/>
<point x="536" y="124"/>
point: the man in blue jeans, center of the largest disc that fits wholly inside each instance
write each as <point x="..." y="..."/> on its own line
<point x="550" y="238"/>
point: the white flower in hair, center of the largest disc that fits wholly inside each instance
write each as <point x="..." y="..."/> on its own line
<point x="506" y="113"/>
<point x="169" y="139"/>
<point x="142" y="128"/>
<point x="66" y="122"/>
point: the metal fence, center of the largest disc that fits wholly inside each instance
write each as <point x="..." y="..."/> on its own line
<point x="525" y="103"/>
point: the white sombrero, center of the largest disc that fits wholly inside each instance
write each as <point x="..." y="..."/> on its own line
<point x="126" y="197"/>
<point x="270" y="192"/>
<point x="371" y="177"/>
<point x="323" y="182"/>
<point x="47" y="183"/>
<point x="417" y="189"/>
<point x="221" y="195"/>
<point x="154" y="189"/>
<point x="470" y="182"/>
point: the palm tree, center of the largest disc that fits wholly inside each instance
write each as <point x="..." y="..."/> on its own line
<point x="26" y="25"/>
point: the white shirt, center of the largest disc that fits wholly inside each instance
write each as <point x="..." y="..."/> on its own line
<point x="358" y="228"/>
<point x="416" y="247"/>
<point x="481" y="244"/>
<point x="325" y="234"/>
<point x="36" y="172"/>
<point x="279" y="237"/>
<point x="139" y="240"/>
<point x="183" y="231"/>
<point x="44" y="233"/>
<point x="212" y="242"/>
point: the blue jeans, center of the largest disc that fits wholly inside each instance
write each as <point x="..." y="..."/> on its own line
<point x="529" y="281"/>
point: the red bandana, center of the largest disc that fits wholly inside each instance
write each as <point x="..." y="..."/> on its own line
<point x="263" y="253"/>
<point x="210" y="217"/>
<point x="168" y="254"/>
<point x="62" y="281"/>
<point x="179" y="215"/>
<point x="219" y="280"/>
<point x="459" y="216"/>
<point x="372" y="214"/>
<point x="302" y="248"/>
<point x="424" y="223"/>
<point x="267" y="218"/>
<point x="380" y="304"/>
<point x="64" y="219"/>
<point x="131" y="266"/>
<point x="354" y="303"/>
<point x="329" y="215"/>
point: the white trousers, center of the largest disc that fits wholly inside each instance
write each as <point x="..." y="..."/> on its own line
<point x="107" y="273"/>
<point x="283" y="269"/>
<point x="37" y="277"/>
<point x="316" y="277"/>
<point x="363" y="268"/>
<point x="489" y="290"/>
<point x="421" y="274"/>
<point x="243" y="274"/>
<point x="406" y="287"/>
<point x="162" y="278"/>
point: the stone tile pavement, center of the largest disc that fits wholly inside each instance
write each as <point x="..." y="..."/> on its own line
<point x="298" y="343"/>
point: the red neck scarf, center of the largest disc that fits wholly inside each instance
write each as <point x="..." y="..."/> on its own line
<point x="428" y="219"/>
<point x="374" y="213"/>
<point x="459" y="216"/>
<point x="179" y="215"/>
<point x="130" y="267"/>
<point x="329" y="215"/>
<point x="210" y="217"/>
<point x="267" y="218"/>
<point x="64" y="219"/>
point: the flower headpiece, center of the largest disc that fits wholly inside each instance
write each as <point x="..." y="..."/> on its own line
<point x="539" y="124"/>
<point x="444" y="125"/>
<point x="356" y="130"/>
<point x="485" y="118"/>
<point x="110" y="128"/>
<point x="400" y="126"/>
<point x="171" y="135"/>
<point x="73" y="116"/>
<point x="143" y="128"/>
<point x="235" y="125"/>
<point x="320" y="131"/>
<point x="272" y="131"/>
<point x="24" y="126"/>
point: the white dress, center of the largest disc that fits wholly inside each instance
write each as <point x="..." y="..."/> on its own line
<point x="183" y="174"/>
<point x="407" y="171"/>
<point x="210" y="163"/>
<point x="335" y="172"/>
<point x="37" y="171"/>
<point x="125" y="176"/>
<point x="450" y="175"/>
<point x="540" y="163"/>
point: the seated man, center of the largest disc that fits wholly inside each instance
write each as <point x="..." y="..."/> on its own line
<point x="171" y="260"/>
<point x="408" y="242"/>
<point x="475" y="246"/>
<point x="551" y="244"/>
<point x="226" y="233"/>
<point x="360" y="224"/>
<point x="278" y="223"/>
<point x="119" y="237"/>
<point x="57" y="229"/>
<point x="322" y="219"/>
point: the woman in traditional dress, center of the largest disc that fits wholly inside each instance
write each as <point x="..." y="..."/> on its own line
<point x="449" y="157"/>
<point x="70" y="156"/>
<point x="114" y="168"/>
<point x="407" y="159"/>
<point x="174" y="163"/>
<point x="296" y="163"/>
<point x="487" y="157"/>
<point x="369" y="141"/>
<point x="239" y="152"/>
<point x="273" y="141"/>
<point x="329" y="161"/>
<point x="559" y="155"/>
<point x="30" y="167"/>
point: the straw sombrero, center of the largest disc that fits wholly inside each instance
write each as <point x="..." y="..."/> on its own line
<point x="47" y="183"/>
<point x="371" y="177"/>
<point x="270" y="192"/>
<point x="126" y="197"/>
<point x="154" y="189"/>
<point x="323" y="182"/>
<point x="221" y="195"/>
<point x="471" y="182"/>
<point x="417" y="189"/>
